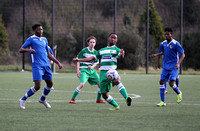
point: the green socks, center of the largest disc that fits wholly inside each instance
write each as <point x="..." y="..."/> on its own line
<point x="122" y="90"/>
<point x="76" y="92"/>
<point x="111" y="101"/>
<point x="99" y="94"/>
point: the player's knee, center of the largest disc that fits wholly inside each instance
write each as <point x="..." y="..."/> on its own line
<point x="161" y="82"/>
<point x="116" y="82"/>
<point x="81" y="85"/>
<point x="171" y="83"/>
<point x="50" y="84"/>
<point x="36" y="87"/>
<point x="104" y="96"/>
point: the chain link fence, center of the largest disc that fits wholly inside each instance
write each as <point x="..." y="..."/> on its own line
<point x="99" y="21"/>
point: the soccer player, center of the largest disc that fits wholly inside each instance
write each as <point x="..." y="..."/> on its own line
<point x="158" y="65"/>
<point x="37" y="46"/>
<point x="108" y="60"/>
<point x="170" y="48"/>
<point x="86" y="70"/>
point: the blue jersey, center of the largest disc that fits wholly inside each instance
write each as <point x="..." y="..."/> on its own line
<point x="40" y="45"/>
<point x="50" y="50"/>
<point x="171" y="53"/>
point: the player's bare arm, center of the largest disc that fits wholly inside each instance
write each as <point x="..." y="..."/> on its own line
<point x="180" y="60"/>
<point x="93" y="66"/>
<point x="122" y="53"/>
<point x="77" y="69"/>
<point x="51" y="57"/>
<point x="157" y="54"/>
<point x="158" y="62"/>
<point x="84" y="59"/>
<point x="22" y="50"/>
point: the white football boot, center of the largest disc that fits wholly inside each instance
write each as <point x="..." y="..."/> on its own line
<point x="45" y="103"/>
<point x="22" y="104"/>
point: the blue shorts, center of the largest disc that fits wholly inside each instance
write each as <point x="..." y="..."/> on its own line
<point x="42" y="73"/>
<point x="169" y="74"/>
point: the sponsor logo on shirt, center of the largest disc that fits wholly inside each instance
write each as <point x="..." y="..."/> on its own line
<point x="87" y="55"/>
<point x="107" y="57"/>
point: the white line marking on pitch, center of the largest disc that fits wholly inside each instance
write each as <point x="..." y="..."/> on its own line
<point x="133" y="96"/>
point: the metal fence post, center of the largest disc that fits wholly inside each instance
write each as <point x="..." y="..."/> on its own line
<point x="115" y="16"/>
<point x="147" y="35"/>
<point x="52" y="45"/>
<point x="181" y="29"/>
<point x="83" y="22"/>
<point x="24" y="33"/>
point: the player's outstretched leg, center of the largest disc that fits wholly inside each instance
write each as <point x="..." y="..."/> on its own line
<point x="123" y="92"/>
<point x="22" y="101"/>
<point x="42" y="100"/>
<point x="111" y="101"/>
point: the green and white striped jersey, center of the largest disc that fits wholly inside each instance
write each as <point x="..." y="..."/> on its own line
<point x="85" y="53"/>
<point x="108" y="57"/>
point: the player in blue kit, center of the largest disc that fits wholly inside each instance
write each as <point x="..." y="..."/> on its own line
<point x="37" y="46"/>
<point x="158" y="65"/>
<point x="170" y="49"/>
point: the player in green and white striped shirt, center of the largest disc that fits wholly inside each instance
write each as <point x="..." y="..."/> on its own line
<point x="86" y="71"/>
<point x="108" y="57"/>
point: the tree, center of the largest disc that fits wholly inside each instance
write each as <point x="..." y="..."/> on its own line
<point x="191" y="46"/>
<point x="130" y="41"/>
<point x="155" y="24"/>
<point x="156" y="31"/>
<point x="126" y="20"/>
<point x="3" y="38"/>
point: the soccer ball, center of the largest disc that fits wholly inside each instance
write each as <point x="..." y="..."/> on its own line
<point x="112" y="74"/>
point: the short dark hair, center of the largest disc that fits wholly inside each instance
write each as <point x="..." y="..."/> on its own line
<point x="112" y="33"/>
<point x="35" y="26"/>
<point x="168" y="29"/>
<point x="91" y="37"/>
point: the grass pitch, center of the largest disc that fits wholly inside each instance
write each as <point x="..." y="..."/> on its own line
<point x="87" y="115"/>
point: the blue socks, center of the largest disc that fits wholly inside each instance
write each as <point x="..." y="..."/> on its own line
<point x="45" y="93"/>
<point x="175" y="88"/>
<point x="162" y="93"/>
<point x="30" y="92"/>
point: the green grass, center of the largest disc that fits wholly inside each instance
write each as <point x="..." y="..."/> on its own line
<point x="87" y="115"/>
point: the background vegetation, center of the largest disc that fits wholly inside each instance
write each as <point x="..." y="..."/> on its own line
<point x="99" y="22"/>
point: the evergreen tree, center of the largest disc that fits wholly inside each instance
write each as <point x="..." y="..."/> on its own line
<point x="155" y="24"/>
<point x="3" y="38"/>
